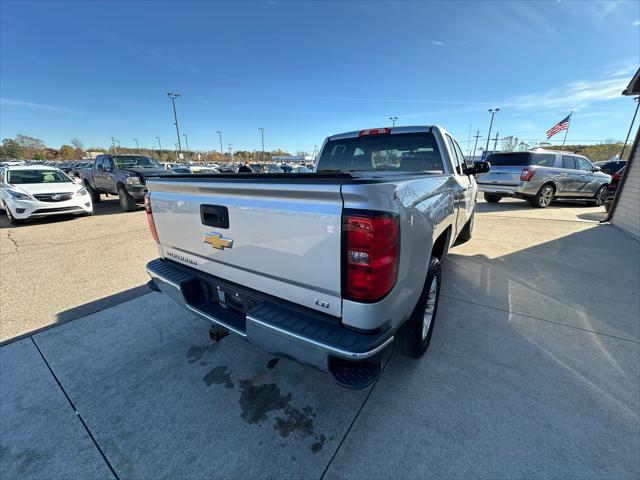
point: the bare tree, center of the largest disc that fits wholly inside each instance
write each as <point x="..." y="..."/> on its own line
<point x="30" y="145"/>
<point x="76" y="143"/>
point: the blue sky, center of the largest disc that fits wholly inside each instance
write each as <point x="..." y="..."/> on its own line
<point x="306" y="70"/>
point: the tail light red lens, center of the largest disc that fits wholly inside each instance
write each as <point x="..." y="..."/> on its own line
<point x="527" y="174"/>
<point x="371" y="254"/>
<point x="152" y="224"/>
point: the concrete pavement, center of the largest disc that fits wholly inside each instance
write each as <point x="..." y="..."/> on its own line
<point x="532" y="372"/>
<point x="57" y="269"/>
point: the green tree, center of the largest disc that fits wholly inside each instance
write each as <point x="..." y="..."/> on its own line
<point x="67" y="152"/>
<point x="10" y="149"/>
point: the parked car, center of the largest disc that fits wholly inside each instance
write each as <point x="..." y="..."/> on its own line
<point x="122" y="175"/>
<point x="613" y="187"/>
<point x="540" y="176"/>
<point x="611" y="166"/>
<point x="40" y="191"/>
<point x="193" y="169"/>
<point x="329" y="268"/>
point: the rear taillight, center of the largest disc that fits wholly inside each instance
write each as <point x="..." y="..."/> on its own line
<point x="616" y="176"/>
<point x="152" y="224"/>
<point x="527" y="174"/>
<point x="374" y="131"/>
<point x="371" y="253"/>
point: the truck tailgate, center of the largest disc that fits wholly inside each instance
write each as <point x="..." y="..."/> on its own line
<point x="283" y="238"/>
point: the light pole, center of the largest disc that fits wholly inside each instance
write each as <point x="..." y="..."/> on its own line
<point x="624" y="147"/>
<point x="159" y="148"/>
<point x="186" y="141"/>
<point x="492" y="111"/>
<point x="477" y="136"/>
<point x="173" y="97"/>
<point x="219" y="132"/>
<point x="137" y="145"/>
<point x="495" y="142"/>
<point x="231" y="152"/>
<point x="262" y="151"/>
<point x="113" y="145"/>
<point x="393" y="120"/>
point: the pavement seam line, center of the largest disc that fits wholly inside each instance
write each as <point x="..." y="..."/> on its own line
<point x="95" y="443"/>
<point x="344" y="437"/>
<point x="543" y="320"/>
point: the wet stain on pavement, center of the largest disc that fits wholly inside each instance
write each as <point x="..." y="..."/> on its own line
<point x="317" y="446"/>
<point x="219" y="376"/>
<point x="271" y="364"/>
<point x="256" y="401"/>
<point x="196" y="353"/>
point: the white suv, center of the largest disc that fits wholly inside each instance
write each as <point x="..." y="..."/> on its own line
<point x="38" y="191"/>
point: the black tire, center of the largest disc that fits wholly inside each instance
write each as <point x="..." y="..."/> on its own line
<point x="491" y="197"/>
<point x="127" y="202"/>
<point x="12" y="219"/>
<point x="601" y="196"/>
<point x="95" y="196"/>
<point x="544" y="197"/>
<point x="413" y="338"/>
<point x="467" y="232"/>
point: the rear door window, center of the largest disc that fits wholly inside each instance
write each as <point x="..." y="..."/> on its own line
<point x="569" y="161"/>
<point x="543" y="159"/>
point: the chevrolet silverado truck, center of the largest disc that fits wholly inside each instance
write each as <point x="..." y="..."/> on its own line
<point x="121" y="175"/>
<point x="331" y="268"/>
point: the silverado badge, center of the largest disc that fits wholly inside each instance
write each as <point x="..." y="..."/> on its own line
<point x="217" y="242"/>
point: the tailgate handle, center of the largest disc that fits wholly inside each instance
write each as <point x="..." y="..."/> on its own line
<point x="214" y="216"/>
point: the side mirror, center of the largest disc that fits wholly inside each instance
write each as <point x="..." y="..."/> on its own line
<point x="76" y="180"/>
<point x="478" y="167"/>
<point x="101" y="168"/>
<point x="595" y="168"/>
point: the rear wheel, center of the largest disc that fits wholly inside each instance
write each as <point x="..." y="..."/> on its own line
<point x="127" y="202"/>
<point x="491" y="198"/>
<point x="544" y="197"/>
<point x="413" y="338"/>
<point x="467" y="232"/>
<point x="601" y="196"/>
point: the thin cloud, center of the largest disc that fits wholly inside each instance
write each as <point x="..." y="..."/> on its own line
<point x="574" y="95"/>
<point x="438" y="43"/>
<point x="636" y="23"/>
<point x="37" y="106"/>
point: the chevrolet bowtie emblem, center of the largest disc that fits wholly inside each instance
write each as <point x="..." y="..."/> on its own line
<point x="217" y="242"/>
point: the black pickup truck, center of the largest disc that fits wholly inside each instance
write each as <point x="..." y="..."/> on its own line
<point x="122" y="175"/>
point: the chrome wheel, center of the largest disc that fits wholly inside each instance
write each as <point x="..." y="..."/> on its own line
<point x="546" y="195"/>
<point x="427" y="319"/>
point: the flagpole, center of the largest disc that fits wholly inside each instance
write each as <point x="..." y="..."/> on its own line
<point x="567" y="130"/>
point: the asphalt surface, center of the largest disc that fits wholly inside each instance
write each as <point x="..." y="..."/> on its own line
<point x="532" y="373"/>
<point x="58" y="269"/>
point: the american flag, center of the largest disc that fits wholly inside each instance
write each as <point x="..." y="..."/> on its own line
<point x="558" y="127"/>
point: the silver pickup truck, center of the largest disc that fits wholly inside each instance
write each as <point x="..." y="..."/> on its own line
<point x="330" y="268"/>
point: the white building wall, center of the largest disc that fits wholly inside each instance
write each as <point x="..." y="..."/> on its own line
<point x="627" y="213"/>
